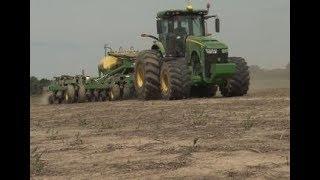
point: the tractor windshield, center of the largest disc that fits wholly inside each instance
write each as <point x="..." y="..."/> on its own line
<point x="189" y="25"/>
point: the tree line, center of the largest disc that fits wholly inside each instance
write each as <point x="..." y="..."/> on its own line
<point x="258" y="72"/>
<point x="37" y="85"/>
<point x="258" y="69"/>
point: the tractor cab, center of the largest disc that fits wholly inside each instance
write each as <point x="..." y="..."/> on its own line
<point x="174" y="26"/>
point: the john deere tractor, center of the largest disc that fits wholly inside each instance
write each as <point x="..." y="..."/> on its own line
<point x="186" y="60"/>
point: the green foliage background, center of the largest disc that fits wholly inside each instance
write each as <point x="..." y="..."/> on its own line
<point x="37" y="85"/>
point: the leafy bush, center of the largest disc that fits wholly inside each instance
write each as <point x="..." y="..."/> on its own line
<point x="36" y="85"/>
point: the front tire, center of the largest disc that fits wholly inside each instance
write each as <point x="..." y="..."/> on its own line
<point x="146" y="75"/>
<point x="175" y="80"/>
<point x="238" y="84"/>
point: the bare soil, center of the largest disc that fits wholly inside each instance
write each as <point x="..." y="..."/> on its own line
<point x="200" y="138"/>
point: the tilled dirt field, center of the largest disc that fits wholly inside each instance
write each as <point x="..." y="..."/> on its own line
<point x="216" y="138"/>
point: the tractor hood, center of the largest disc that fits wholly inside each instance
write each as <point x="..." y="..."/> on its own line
<point x="206" y="42"/>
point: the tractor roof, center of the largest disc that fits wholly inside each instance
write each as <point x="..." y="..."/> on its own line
<point x="170" y="13"/>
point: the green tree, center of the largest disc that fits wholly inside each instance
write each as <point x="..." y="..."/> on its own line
<point x="36" y="85"/>
<point x="44" y="82"/>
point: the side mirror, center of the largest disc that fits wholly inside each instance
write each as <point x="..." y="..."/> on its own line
<point x="217" y="23"/>
<point x="159" y="29"/>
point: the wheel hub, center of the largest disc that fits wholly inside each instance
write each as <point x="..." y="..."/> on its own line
<point x="140" y="77"/>
<point x="164" y="81"/>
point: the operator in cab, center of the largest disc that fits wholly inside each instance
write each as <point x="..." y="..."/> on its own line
<point x="181" y="34"/>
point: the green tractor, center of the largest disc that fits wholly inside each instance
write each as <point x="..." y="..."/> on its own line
<point x="185" y="61"/>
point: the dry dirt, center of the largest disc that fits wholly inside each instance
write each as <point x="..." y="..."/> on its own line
<point x="215" y="138"/>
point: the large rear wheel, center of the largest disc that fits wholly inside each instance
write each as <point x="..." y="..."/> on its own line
<point x="186" y="78"/>
<point x="146" y="75"/>
<point x="238" y="84"/>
